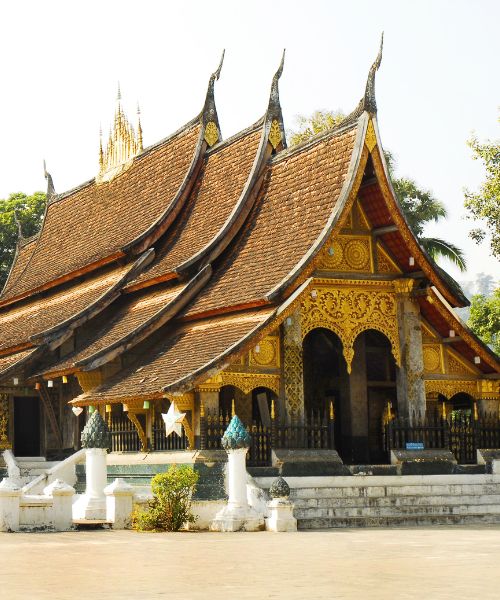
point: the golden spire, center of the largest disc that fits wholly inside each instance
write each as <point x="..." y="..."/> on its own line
<point x="123" y="144"/>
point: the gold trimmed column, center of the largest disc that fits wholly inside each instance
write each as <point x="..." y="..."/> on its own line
<point x="409" y="380"/>
<point x="5" y="443"/>
<point x="293" y="368"/>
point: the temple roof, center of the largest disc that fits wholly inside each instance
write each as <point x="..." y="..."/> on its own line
<point x="182" y="359"/>
<point x="233" y="227"/>
<point x="95" y="222"/>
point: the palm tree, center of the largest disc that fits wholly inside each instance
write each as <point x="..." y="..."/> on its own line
<point x="419" y="206"/>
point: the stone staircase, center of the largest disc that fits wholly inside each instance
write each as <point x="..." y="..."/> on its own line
<point x="33" y="466"/>
<point x="371" y="501"/>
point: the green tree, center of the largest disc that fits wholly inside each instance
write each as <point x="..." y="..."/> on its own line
<point x="485" y="204"/>
<point x="484" y="318"/>
<point x="29" y="211"/>
<point x="419" y="206"/>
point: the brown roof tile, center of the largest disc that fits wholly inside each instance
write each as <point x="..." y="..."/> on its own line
<point x="21" y="259"/>
<point x="95" y="221"/>
<point x="6" y="362"/>
<point x="218" y="188"/>
<point x="112" y="326"/>
<point x="295" y="204"/>
<point x="18" y="323"/>
<point x="188" y="352"/>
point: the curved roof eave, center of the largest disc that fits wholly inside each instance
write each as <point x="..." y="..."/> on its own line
<point x="428" y="265"/>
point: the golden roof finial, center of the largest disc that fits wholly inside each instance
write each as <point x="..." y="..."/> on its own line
<point x="139" y="127"/>
<point x="123" y="144"/>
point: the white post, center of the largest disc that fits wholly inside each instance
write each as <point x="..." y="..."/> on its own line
<point x="9" y="505"/>
<point x="237" y="477"/>
<point x="238" y="515"/>
<point x="119" y="503"/>
<point x="96" y="480"/>
<point x="62" y="504"/>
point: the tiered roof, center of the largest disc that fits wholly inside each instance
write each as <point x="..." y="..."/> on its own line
<point x="195" y="249"/>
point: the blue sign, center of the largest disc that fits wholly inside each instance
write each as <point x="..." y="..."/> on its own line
<point x="414" y="445"/>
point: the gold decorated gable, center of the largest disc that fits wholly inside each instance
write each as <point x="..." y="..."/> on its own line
<point x="349" y="253"/>
<point x="265" y="353"/>
<point x="349" y="307"/>
<point x="385" y="264"/>
<point x="433" y="359"/>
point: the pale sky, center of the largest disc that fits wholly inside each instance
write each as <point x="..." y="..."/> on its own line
<point x="439" y="81"/>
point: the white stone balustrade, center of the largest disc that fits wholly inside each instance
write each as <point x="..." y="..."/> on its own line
<point x="119" y="503"/>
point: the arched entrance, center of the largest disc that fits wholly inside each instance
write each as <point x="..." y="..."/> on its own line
<point x="326" y="381"/>
<point x="359" y="398"/>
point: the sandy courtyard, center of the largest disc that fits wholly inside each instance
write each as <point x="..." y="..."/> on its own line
<point x="442" y="563"/>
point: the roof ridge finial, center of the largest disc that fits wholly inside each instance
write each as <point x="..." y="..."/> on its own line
<point x="50" y="183"/>
<point x="369" y="100"/>
<point x="209" y="116"/>
<point x="139" y="128"/>
<point x="20" y="236"/>
<point x="274" y="115"/>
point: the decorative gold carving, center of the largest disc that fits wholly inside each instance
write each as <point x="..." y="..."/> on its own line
<point x="4" y="422"/>
<point x="212" y="384"/>
<point x="427" y="333"/>
<point x="247" y="382"/>
<point x="268" y="354"/>
<point x="275" y="136"/>
<point x="89" y="380"/>
<point x="183" y="402"/>
<point x="404" y="286"/>
<point x="347" y="253"/>
<point x="132" y="416"/>
<point x="432" y="358"/>
<point x="449" y="387"/>
<point x="211" y="133"/>
<point x="370" y="138"/>
<point x="457" y="367"/>
<point x="123" y="144"/>
<point x="489" y="389"/>
<point x="349" y="307"/>
<point x="385" y="264"/>
<point x="363" y="222"/>
<point x="294" y="386"/>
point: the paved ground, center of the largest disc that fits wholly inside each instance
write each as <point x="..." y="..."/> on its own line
<point x="443" y="563"/>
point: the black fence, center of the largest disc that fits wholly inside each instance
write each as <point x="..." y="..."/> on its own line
<point x="316" y="431"/>
<point x="460" y="432"/>
<point x="159" y="441"/>
<point x="124" y="436"/>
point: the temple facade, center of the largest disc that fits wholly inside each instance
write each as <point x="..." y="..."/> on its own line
<point x="236" y="276"/>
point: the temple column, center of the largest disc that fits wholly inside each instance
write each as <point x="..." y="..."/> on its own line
<point x="5" y="442"/>
<point x="409" y="380"/>
<point x="358" y="394"/>
<point x="293" y="369"/>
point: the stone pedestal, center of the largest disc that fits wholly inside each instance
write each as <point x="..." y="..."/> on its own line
<point x="119" y="503"/>
<point x="62" y="504"/>
<point x="281" y="515"/>
<point x="9" y="505"/>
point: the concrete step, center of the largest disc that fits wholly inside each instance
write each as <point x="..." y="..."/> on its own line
<point x="395" y="501"/>
<point x="374" y="491"/>
<point x="397" y="521"/>
<point x="370" y="512"/>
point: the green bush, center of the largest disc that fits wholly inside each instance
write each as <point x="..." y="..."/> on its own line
<point x="170" y="507"/>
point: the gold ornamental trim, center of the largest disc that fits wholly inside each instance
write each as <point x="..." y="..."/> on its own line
<point x="349" y="253"/>
<point x="266" y="353"/>
<point x="275" y="136"/>
<point x="433" y="359"/>
<point x="4" y="423"/>
<point x="89" y="380"/>
<point x="246" y="382"/>
<point x="450" y="387"/>
<point x="370" y="137"/>
<point x="349" y="307"/>
<point x="211" y="133"/>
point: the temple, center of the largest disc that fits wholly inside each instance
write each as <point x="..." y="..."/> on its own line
<point x="238" y="276"/>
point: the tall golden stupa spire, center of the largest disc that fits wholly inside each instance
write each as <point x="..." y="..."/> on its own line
<point x="123" y="144"/>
